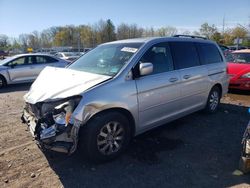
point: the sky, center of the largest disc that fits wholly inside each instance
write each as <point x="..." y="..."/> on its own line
<point x="26" y="16"/>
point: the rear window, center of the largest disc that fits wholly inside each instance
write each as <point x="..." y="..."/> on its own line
<point x="184" y="54"/>
<point x="209" y="53"/>
<point x="45" y="59"/>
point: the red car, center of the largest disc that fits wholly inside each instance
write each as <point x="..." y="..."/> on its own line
<point x="239" y="70"/>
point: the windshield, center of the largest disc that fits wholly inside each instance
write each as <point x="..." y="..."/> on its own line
<point x="107" y="59"/>
<point x="241" y="57"/>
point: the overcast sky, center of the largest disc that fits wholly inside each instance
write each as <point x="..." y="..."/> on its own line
<point x="25" y="16"/>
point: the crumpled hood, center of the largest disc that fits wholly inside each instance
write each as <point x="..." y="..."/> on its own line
<point x="58" y="83"/>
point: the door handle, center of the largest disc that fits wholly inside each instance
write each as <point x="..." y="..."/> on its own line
<point x="187" y="76"/>
<point x="173" y="79"/>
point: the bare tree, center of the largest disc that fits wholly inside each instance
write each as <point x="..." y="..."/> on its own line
<point x="166" y="31"/>
<point x="4" y="41"/>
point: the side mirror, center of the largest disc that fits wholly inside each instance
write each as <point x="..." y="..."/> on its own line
<point x="146" y="68"/>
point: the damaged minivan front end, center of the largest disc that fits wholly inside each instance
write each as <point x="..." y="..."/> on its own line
<point x="53" y="124"/>
<point x="50" y="107"/>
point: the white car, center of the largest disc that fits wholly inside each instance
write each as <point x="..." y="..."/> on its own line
<point x="68" y="56"/>
<point x="26" y="67"/>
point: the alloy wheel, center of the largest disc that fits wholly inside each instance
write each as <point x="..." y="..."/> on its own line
<point x="214" y="100"/>
<point x="110" y="138"/>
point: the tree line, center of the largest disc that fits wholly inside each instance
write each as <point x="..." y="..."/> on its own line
<point x="89" y="36"/>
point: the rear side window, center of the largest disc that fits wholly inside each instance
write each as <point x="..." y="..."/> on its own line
<point x="51" y="59"/>
<point x="45" y="59"/>
<point x="184" y="54"/>
<point x="209" y="53"/>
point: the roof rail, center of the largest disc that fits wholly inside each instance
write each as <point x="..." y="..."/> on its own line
<point x="191" y="36"/>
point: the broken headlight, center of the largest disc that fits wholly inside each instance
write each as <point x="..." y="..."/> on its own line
<point x="57" y="117"/>
<point x="63" y="112"/>
<point x="60" y="112"/>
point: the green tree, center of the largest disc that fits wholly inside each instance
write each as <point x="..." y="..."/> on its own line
<point x="109" y="30"/>
<point x="217" y="37"/>
<point x="239" y="32"/>
<point x="208" y="30"/>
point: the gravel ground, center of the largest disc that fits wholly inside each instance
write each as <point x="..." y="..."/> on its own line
<point x="198" y="150"/>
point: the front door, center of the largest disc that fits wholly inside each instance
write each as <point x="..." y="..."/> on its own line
<point x="158" y="93"/>
<point x="20" y="69"/>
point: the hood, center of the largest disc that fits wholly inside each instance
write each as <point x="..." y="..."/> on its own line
<point x="58" y="83"/>
<point x="238" y="69"/>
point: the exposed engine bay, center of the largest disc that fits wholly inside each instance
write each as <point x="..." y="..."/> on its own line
<point x="52" y="124"/>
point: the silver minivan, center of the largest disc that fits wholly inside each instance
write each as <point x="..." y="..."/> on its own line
<point x="121" y="89"/>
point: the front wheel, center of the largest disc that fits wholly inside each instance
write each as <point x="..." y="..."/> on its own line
<point x="2" y="82"/>
<point x="213" y="100"/>
<point x="105" y="136"/>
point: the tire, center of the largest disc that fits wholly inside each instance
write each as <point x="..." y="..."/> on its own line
<point x="105" y="137"/>
<point x="213" y="100"/>
<point x="2" y="82"/>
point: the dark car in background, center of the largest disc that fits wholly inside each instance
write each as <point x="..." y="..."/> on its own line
<point x="3" y="54"/>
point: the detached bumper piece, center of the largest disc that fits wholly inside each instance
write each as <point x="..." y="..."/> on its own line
<point x="57" y="137"/>
<point x="244" y="164"/>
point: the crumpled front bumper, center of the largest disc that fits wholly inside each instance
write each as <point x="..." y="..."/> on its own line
<point x="57" y="137"/>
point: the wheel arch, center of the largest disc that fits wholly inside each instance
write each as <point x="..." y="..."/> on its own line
<point x="122" y="111"/>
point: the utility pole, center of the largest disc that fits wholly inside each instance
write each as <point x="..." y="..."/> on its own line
<point x="223" y="25"/>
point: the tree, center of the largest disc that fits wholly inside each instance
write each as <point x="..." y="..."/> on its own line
<point x="23" y="40"/>
<point x="166" y="31"/>
<point x="217" y="37"/>
<point x="227" y="37"/>
<point x="149" y="32"/>
<point x="109" y="30"/>
<point x="207" y="30"/>
<point x="4" y="42"/>
<point x="86" y="35"/>
<point x="125" y="31"/>
<point x="34" y="40"/>
<point x="239" y="32"/>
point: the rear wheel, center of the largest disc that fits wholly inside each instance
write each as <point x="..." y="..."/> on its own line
<point x="213" y="100"/>
<point x="2" y="82"/>
<point x="105" y="136"/>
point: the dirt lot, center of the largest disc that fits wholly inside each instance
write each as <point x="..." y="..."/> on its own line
<point x="196" y="151"/>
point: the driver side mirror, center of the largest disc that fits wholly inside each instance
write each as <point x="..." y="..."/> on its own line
<point x="146" y="68"/>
